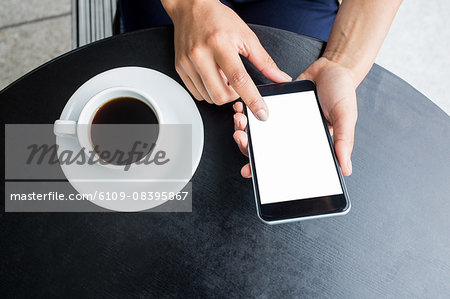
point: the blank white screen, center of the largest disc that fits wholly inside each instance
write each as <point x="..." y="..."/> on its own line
<point x="292" y="156"/>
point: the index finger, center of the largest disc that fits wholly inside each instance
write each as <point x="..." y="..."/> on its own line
<point x="233" y="68"/>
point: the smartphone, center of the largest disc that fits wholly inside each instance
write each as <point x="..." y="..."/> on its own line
<point x="295" y="172"/>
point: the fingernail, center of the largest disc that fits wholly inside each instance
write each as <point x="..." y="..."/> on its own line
<point x="261" y="115"/>
<point x="286" y="76"/>
<point x="349" y="165"/>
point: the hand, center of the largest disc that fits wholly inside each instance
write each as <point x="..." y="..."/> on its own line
<point x="209" y="37"/>
<point x="336" y="89"/>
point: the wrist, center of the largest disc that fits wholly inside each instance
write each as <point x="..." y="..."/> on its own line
<point x="345" y="62"/>
<point x="180" y="7"/>
<point x="324" y="64"/>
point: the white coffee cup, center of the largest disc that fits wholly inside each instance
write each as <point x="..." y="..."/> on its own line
<point x="81" y="128"/>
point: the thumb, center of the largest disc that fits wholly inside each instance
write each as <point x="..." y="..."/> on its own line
<point x="343" y="137"/>
<point x="259" y="57"/>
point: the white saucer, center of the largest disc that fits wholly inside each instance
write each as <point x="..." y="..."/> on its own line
<point x="177" y="107"/>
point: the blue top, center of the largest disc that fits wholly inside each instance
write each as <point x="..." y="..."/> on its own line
<point x="313" y="18"/>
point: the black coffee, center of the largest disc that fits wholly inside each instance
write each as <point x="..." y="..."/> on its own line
<point x="125" y="111"/>
<point x="124" y="130"/>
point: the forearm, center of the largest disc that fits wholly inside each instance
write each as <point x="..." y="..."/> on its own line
<point x="358" y="33"/>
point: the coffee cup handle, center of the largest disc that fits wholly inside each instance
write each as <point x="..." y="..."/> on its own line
<point x="65" y="127"/>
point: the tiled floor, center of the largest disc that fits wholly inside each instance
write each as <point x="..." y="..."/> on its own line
<point x="14" y="12"/>
<point x="31" y="33"/>
<point x="35" y="31"/>
<point x="417" y="48"/>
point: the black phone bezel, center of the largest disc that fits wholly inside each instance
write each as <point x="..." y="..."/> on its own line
<point x="306" y="207"/>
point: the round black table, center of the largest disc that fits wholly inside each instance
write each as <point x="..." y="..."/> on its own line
<point x="395" y="242"/>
